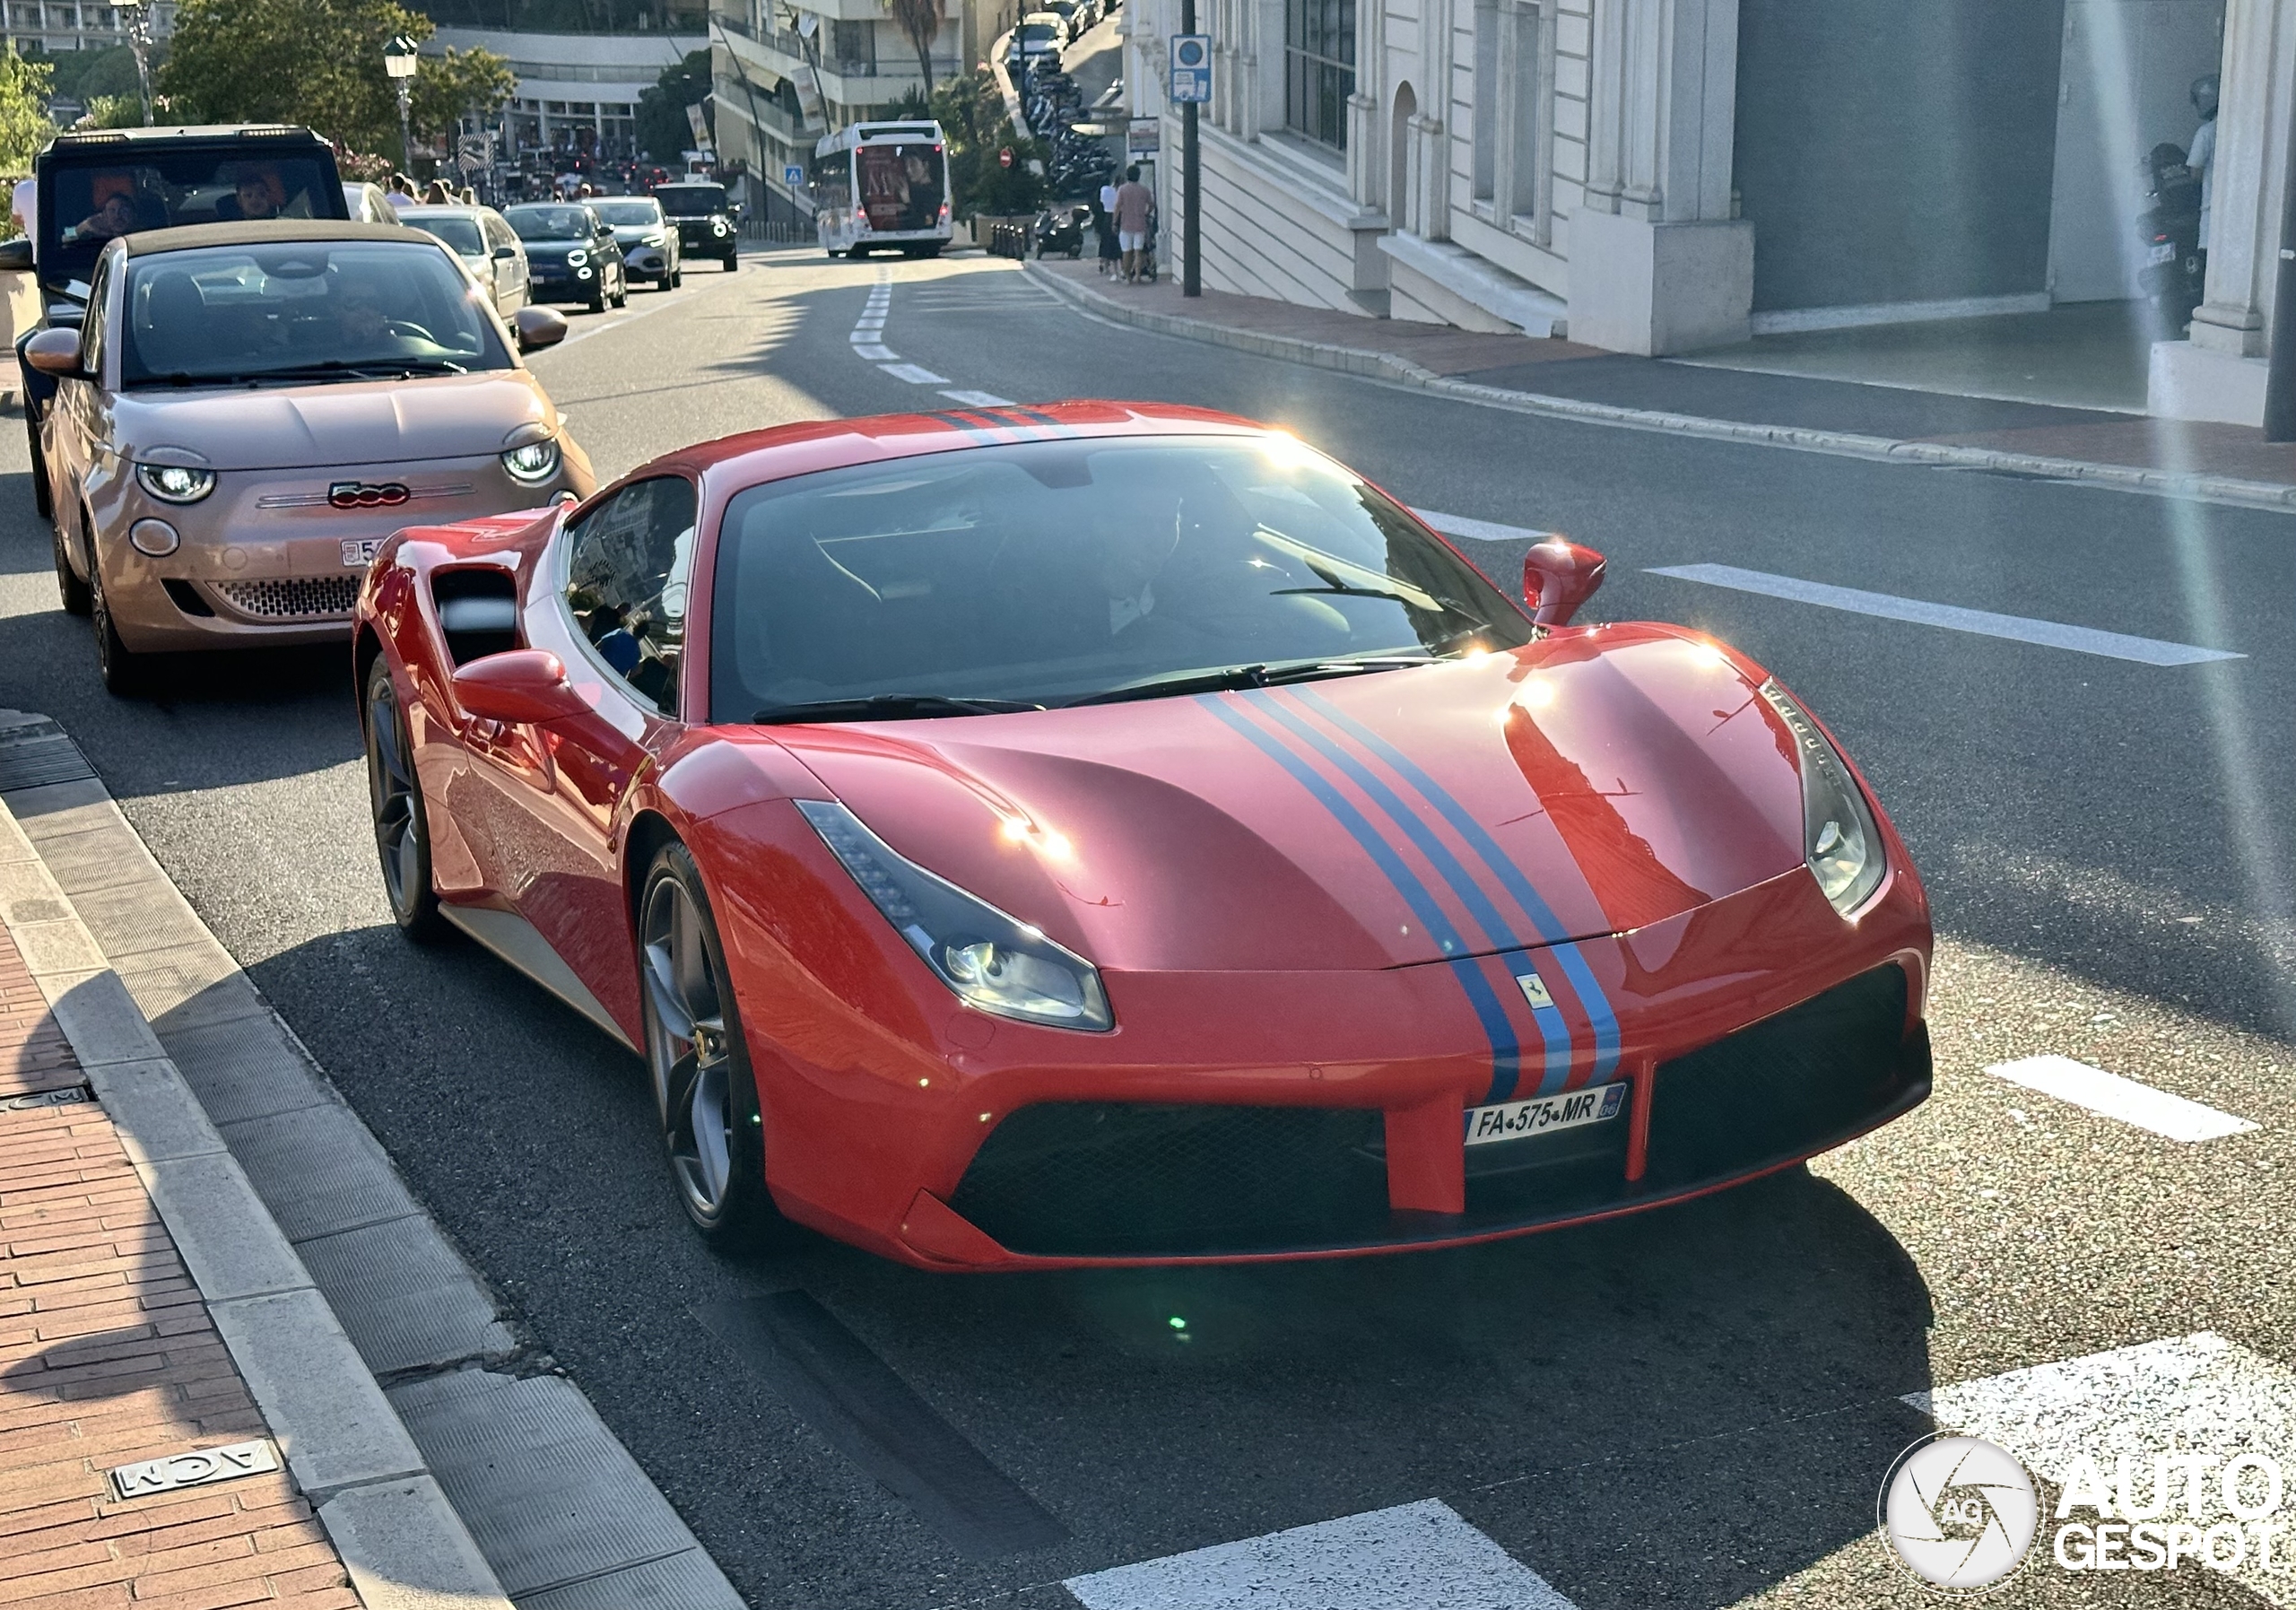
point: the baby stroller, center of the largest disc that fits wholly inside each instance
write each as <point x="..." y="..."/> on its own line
<point x="1148" y="252"/>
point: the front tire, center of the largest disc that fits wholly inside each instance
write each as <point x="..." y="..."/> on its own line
<point x="712" y="1127"/>
<point x="732" y="261"/>
<point x="123" y="670"/>
<point x="621" y="291"/>
<point x="69" y="587"/>
<point x="43" y="501"/>
<point x="402" y="821"/>
<point x="677" y="276"/>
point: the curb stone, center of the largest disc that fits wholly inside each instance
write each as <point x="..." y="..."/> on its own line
<point x="2232" y="491"/>
<point x="344" y="1442"/>
<point x="239" y="1104"/>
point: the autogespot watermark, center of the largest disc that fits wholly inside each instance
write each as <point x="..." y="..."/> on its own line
<point x="1963" y="1514"/>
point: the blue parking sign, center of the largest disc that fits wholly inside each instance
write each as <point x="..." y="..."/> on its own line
<point x="1191" y="68"/>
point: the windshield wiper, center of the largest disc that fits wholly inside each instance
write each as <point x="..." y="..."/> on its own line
<point x="1231" y="677"/>
<point x="889" y="706"/>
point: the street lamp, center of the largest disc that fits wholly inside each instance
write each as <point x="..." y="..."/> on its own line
<point x="136" y="15"/>
<point x="398" y="61"/>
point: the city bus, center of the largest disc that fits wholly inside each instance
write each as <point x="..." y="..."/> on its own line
<point x="883" y="185"/>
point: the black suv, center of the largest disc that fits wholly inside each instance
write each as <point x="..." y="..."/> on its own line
<point x="708" y="222"/>
<point x="105" y="183"/>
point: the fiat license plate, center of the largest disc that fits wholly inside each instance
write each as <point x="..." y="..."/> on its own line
<point x="2164" y="251"/>
<point x="1542" y="1115"/>
<point x="360" y="552"/>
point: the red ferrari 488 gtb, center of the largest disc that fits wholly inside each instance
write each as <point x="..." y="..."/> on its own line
<point x="1114" y="832"/>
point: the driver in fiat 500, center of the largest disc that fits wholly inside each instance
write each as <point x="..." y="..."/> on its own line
<point x="251" y="407"/>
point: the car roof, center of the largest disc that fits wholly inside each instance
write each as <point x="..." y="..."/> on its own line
<point x="254" y="231"/>
<point x="183" y="133"/>
<point x="461" y="209"/>
<point x="755" y="457"/>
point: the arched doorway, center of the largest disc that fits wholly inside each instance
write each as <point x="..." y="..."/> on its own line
<point x="1400" y="212"/>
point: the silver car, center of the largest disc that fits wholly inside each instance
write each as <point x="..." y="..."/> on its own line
<point x="249" y="409"/>
<point x="489" y="247"/>
<point x="649" y="240"/>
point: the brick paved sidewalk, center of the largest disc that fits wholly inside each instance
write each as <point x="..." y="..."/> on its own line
<point x="107" y="1357"/>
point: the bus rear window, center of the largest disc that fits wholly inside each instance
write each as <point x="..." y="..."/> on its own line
<point x="900" y="185"/>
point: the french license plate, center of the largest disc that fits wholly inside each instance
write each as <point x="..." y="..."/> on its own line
<point x="2164" y="252"/>
<point x="359" y="552"/>
<point x="1543" y="1115"/>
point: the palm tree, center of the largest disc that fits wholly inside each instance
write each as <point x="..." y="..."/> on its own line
<point x="920" y="20"/>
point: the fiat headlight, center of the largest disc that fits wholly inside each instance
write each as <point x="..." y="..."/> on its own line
<point x="716" y="226"/>
<point x="175" y="483"/>
<point x="575" y="259"/>
<point x="1841" y="840"/>
<point x="533" y="464"/>
<point x="995" y="962"/>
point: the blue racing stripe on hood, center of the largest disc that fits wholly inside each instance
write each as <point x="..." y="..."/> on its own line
<point x="1517" y="883"/>
<point x="1499" y="934"/>
<point x="1506" y="1053"/>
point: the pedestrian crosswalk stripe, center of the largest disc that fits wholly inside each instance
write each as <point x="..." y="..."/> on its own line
<point x="2109" y="1095"/>
<point x="1983" y="622"/>
<point x="2199" y="1395"/>
<point x="878" y="354"/>
<point x="1482" y="531"/>
<point x="1421" y="1556"/>
<point x="914" y="374"/>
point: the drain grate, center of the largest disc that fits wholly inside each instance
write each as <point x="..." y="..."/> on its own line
<point x="35" y="753"/>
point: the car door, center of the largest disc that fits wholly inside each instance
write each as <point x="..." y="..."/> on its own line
<point x="80" y="419"/>
<point x="510" y="290"/>
<point x="609" y="601"/>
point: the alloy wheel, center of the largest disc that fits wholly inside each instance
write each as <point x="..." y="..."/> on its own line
<point x="688" y="1049"/>
<point x="390" y="782"/>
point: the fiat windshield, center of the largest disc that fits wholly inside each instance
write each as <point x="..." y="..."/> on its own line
<point x="303" y="312"/>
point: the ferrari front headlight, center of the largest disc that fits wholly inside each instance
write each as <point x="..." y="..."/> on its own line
<point x="1841" y="840"/>
<point x="989" y="960"/>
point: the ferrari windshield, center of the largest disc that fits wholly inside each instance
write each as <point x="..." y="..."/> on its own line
<point x="550" y="223"/>
<point x="1049" y="572"/>
<point x="302" y="312"/>
<point x="628" y="214"/>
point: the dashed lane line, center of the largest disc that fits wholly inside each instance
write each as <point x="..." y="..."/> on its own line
<point x="978" y="399"/>
<point x="1482" y="531"/>
<point x="2109" y="1095"/>
<point x="1421" y="1556"/>
<point x="2050" y="634"/>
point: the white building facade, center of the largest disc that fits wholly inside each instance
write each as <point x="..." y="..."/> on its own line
<point x="577" y="92"/>
<point x="786" y="73"/>
<point x="1663" y="176"/>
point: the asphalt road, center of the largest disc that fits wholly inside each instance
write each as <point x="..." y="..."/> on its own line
<point x="1692" y="1407"/>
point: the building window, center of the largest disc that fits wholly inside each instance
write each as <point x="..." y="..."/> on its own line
<point x="1319" y="68"/>
<point x="1511" y="81"/>
<point x="855" y="46"/>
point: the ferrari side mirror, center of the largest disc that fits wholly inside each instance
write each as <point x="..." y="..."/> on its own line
<point x="1559" y="577"/>
<point x="538" y="328"/>
<point x="518" y="684"/>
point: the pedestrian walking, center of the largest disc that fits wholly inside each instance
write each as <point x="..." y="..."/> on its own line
<point x="1104" y="232"/>
<point x="1132" y="204"/>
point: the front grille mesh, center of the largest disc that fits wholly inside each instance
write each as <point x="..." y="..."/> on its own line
<point x="298" y="598"/>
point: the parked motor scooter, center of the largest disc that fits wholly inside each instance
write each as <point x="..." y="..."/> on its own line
<point x="1062" y="230"/>
<point x="2170" y="228"/>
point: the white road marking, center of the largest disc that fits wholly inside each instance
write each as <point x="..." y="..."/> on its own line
<point x="1482" y="531"/>
<point x="878" y="354"/>
<point x="2051" y="634"/>
<point x="978" y="399"/>
<point x="1419" y="1556"/>
<point x="867" y="330"/>
<point x="2200" y="1394"/>
<point x="914" y="374"/>
<point x="2109" y="1095"/>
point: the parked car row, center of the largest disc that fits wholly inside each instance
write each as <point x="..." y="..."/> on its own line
<point x="239" y="391"/>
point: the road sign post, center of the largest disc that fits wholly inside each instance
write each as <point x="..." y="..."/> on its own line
<point x="1191" y="76"/>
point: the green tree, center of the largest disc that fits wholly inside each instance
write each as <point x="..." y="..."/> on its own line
<point x="920" y="20"/>
<point x="24" y="126"/>
<point x="320" y="62"/>
<point x="663" y="130"/>
<point x="971" y="110"/>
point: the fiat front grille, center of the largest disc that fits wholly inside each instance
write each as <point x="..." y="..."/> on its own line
<point x="301" y="598"/>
